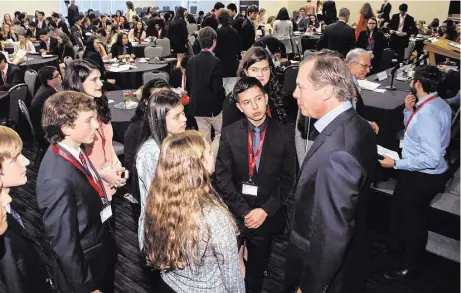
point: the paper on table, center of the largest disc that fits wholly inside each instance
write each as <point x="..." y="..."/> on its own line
<point x="380" y="90"/>
<point x="368" y="85"/>
<point x="120" y="68"/>
<point x="391" y="154"/>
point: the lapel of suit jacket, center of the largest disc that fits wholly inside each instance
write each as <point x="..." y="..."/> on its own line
<point x="338" y="121"/>
<point x="269" y="139"/>
<point x="241" y="144"/>
<point x="14" y="226"/>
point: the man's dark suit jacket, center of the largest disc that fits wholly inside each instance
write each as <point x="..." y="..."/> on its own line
<point x="247" y="34"/>
<point x="72" y="12"/>
<point x="409" y="27"/>
<point x="14" y="76"/>
<point x="228" y="47"/>
<point x="330" y="203"/>
<point x="22" y="269"/>
<point x="236" y="22"/>
<point x="276" y="174"/>
<point x="53" y="45"/>
<point x="385" y="11"/>
<point x="339" y="37"/>
<point x="211" y="21"/>
<point x="36" y="106"/>
<point x="82" y="244"/>
<point x="204" y="85"/>
<point x="63" y="26"/>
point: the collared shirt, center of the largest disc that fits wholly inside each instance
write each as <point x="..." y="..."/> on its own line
<point x="427" y="137"/>
<point x="401" y="22"/>
<point x="208" y="51"/>
<point x="74" y="152"/>
<point x="251" y="127"/>
<point x="323" y="122"/>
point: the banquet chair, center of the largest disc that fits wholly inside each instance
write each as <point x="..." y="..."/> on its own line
<point x="191" y="39"/>
<point x="152" y="52"/>
<point x="41" y="146"/>
<point x="165" y="45"/>
<point x="150" y="75"/>
<point x="193" y="9"/>
<point x="297" y="47"/>
<point x="30" y="79"/>
<point x="408" y="50"/>
<point x="289" y="80"/>
<point x="16" y="93"/>
<point x="386" y="60"/>
<point x="138" y="11"/>
<point x="190" y="49"/>
<point x="192" y="28"/>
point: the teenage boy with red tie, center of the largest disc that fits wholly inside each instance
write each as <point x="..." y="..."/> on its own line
<point x="72" y="199"/>
<point x="255" y="171"/>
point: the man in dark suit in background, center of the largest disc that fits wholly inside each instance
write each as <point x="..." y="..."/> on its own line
<point x="50" y="78"/>
<point x="384" y="14"/>
<point x="48" y="44"/>
<point x="255" y="170"/>
<point x="22" y="269"/>
<point x="212" y="19"/>
<point x="327" y="250"/>
<point x="72" y="12"/>
<point x="11" y="74"/>
<point x="329" y="12"/>
<point x="235" y="20"/>
<point x="205" y="88"/>
<point x="61" y="23"/>
<point x="338" y="36"/>
<point x="228" y="46"/>
<point x="247" y="32"/>
<point x="71" y="197"/>
<point x="401" y="27"/>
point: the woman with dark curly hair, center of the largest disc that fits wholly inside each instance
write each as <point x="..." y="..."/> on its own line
<point x="257" y="63"/>
<point x="84" y="76"/>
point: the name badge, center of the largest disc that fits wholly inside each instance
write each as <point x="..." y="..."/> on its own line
<point x="106" y="213"/>
<point x="249" y="189"/>
<point x="401" y="144"/>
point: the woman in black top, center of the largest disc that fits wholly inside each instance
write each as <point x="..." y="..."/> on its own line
<point x="160" y="31"/>
<point x="257" y="63"/>
<point x="93" y="54"/>
<point x="373" y="39"/>
<point x="123" y="23"/>
<point x="122" y="48"/>
<point x="177" y="33"/>
<point x="65" y="48"/>
<point x="7" y="34"/>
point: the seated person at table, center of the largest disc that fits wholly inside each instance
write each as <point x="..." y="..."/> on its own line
<point x="137" y="34"/>
<point x="302" y="20"/>
<point x="50" y="80"/>
<point x="122" y="48"/>
<point x="32" y="32"/>
<point x="160" y="31"/>
<point x="95" y="53"/>
<point x="25" y="45"/>
<point x="48" y="45"/>
<point x="7" y="34"/>
<point x="314" y="25"/>
<point x="77" y="33"/>
<point x="11" y="74"/>
<point x="373" y="40"/>
<point x="359" y="63"/>
<point x="123" y="23"/>
<point x="65" y="48"/>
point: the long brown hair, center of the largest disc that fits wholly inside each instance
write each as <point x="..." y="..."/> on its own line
<point x="180" y="191"/>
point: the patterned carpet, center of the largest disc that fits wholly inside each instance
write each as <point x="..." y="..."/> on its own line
<point x="438" y="275"/>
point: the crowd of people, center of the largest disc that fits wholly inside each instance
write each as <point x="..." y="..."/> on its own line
<point x="209" y="203"/>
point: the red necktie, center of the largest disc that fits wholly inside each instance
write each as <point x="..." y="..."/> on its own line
<point x="4" y="77"/>
<point x="82" y="158"/>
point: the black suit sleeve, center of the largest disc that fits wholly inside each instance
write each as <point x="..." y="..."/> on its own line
<point x="336" y="195"/>
<point x="216" y="85"/>
<point x="362" y="40"/>
<point x="225" y="185"/>
<point x="61" y="226"/>
<point x="286" y="179"/>
<point x="322" y="43"/>
<point x="11" y="274"/>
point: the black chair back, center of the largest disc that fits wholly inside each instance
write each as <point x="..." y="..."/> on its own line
<point x="25" y="113"/>
<point x="16" y="93"/>
<point x="386" y="60"/>
<point x="289" y="80"/>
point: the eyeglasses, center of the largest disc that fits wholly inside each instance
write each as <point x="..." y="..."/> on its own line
<point x="364" y="66"/>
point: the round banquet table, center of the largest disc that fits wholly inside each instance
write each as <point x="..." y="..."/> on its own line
<point x="35" y="62"/>
<point x="138" y="49"/>
<point x="120" y="117"/>
<point x="132" y="79"/>
<point x="309" y="42"/>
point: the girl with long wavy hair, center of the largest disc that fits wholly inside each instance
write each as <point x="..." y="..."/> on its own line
<point x="189" y="233"/>
<point x="257" y="63"/>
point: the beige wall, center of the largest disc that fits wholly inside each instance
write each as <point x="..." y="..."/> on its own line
<point x="425" y="10"/>
<point x="47" y="6"/>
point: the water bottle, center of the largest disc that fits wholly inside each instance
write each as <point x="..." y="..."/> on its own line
<point x="400" y="71"/>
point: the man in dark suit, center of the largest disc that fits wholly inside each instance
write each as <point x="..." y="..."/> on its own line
<point x="228" y="46"/>
<point x="11" y="74"/>
<point x="255" y="170"/>
<point x="327" y="249"/>
<point x="247" y="32"/>
<point x="235" y="20"/>
<point x="205" y="88"/>
<point x="71" y="197"/>
<point x="72" y="12"/>
<point x="384" y="14"/>
<point x="50" y="78"/>
<point x="48" y="44"/>
<point x="61" y="24"/>
<point x="32" y="32"/>
<point x="22" y="269"/>
<point x="329" y="12"/>
<point x="212" y="19"/>
<point x="401" y="27"/>
<point x="338" y="36"/>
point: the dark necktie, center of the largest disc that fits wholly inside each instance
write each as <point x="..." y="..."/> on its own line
<point x="256" y="141"/>
<point x="82" y="158"/>
<point x="17" y="217"/>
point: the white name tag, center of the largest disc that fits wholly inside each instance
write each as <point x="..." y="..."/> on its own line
<point x="401" y="144"/>
<point x="106" y="213"/>
<point x="249" y="189"/>
<point x="382" y="75"/>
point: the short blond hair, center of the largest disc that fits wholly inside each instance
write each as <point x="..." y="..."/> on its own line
<point x="10" y="143"/>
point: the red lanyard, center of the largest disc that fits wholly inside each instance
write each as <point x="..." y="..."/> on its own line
<point x="253" y="158"/>
<point x="77" y="165"/>
<point x="418" y="108"/>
